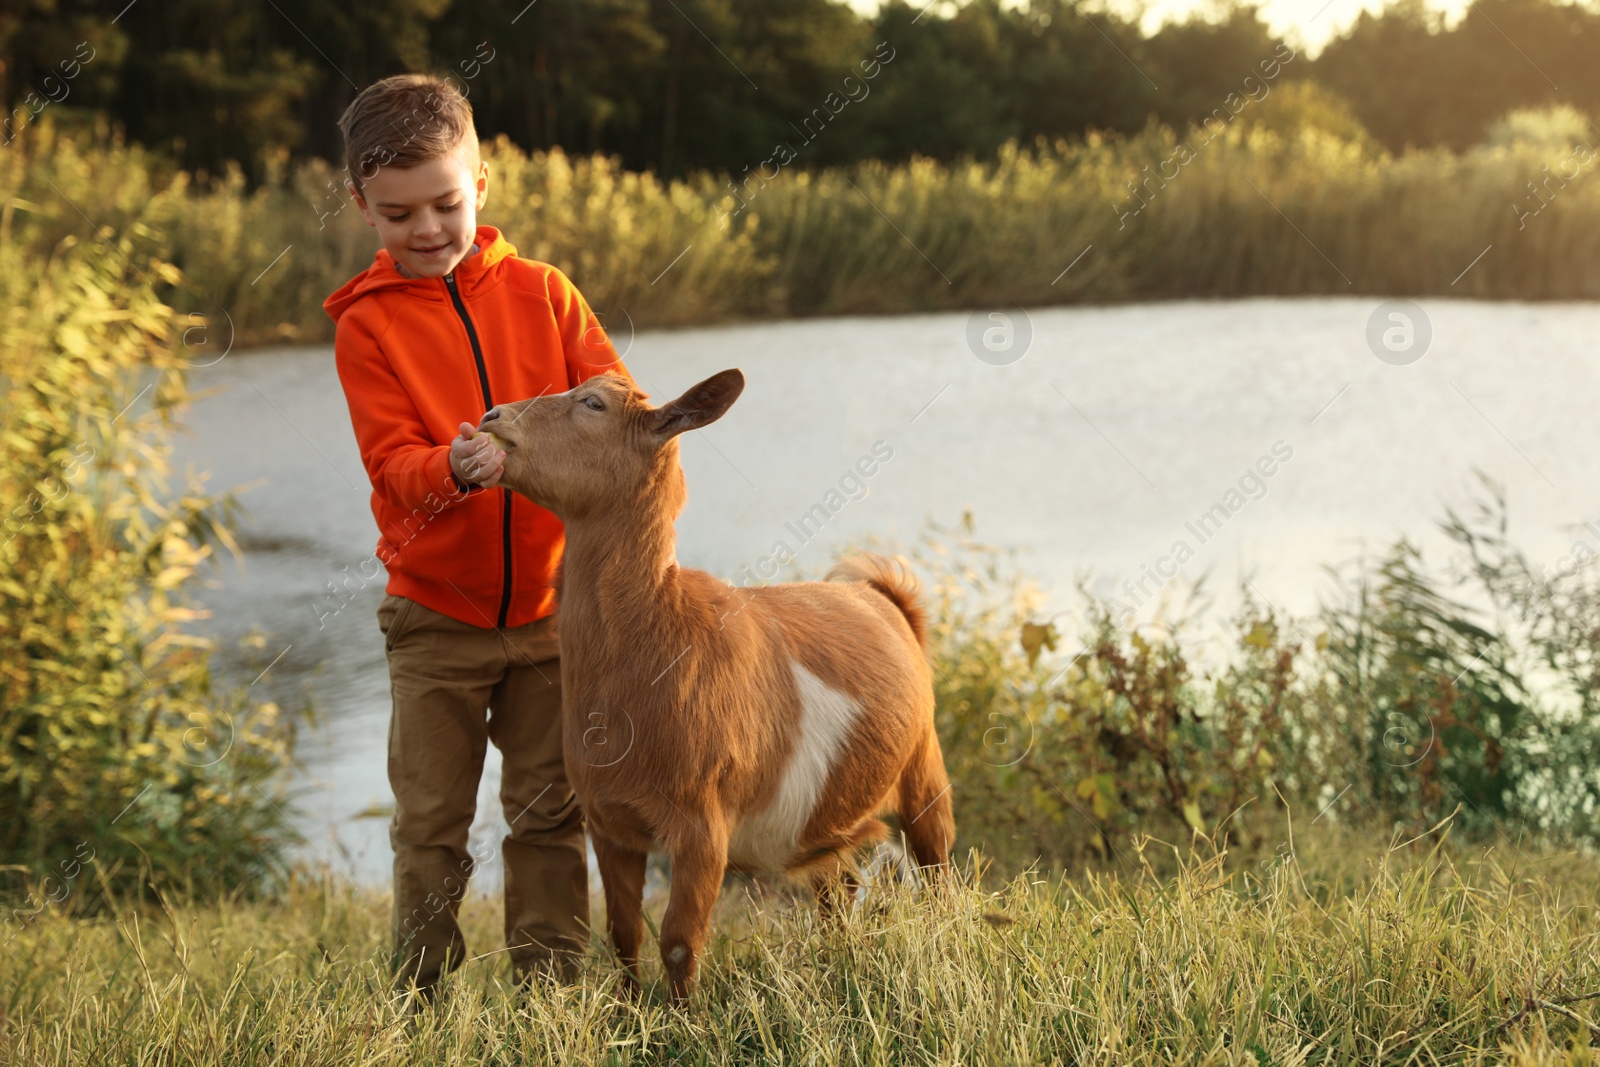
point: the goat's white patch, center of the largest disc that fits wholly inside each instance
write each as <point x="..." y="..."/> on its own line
<point x="767" y="840"/>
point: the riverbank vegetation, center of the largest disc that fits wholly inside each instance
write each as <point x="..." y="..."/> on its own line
<point x="1291" y="197"/>
<point x="697" y="161"/>
<point x="121" y="768"/>
<point x="1429" y="691"/>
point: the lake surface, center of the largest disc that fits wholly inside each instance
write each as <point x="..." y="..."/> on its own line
<point x="1094" y="453"/>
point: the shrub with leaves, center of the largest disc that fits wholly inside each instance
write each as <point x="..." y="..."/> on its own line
<point x="1420" y="702"/>
<point x="1066" y="757"/>
<point x="1552" y="615"/>
<point x="1399" y="705"/>
<point x="119" y="763"/>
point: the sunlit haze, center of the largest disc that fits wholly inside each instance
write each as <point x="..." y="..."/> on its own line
<point x="1310" y="23"/>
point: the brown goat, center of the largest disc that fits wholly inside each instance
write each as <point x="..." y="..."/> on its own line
<point x="760" y="729"/>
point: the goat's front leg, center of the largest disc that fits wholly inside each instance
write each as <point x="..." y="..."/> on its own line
<point x="699" y="861"/>
<point x="622" y="874"/>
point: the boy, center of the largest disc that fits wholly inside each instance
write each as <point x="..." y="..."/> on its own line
<point x="447" y="322"/>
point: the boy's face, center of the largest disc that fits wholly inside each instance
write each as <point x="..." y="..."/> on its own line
<point x="426" y="215"/>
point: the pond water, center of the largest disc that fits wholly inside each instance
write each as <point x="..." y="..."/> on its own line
<point x="1094" y="453"/>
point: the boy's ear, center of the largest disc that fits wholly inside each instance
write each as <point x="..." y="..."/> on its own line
<point x="483" y="185"/>
<point x="361" y="202"/>
<point x="700" y="405"/>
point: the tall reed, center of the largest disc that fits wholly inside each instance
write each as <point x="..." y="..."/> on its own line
<point x="1255" y="209"/>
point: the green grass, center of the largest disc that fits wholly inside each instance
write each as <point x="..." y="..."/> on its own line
<point x="1342" y="952"/>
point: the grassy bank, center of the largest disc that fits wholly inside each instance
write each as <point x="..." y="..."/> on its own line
<point x="1289" y="198"/>
<point x="1331" y="951"/>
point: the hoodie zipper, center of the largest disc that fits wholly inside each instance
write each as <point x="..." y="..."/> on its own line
<point x="488" y="403"/>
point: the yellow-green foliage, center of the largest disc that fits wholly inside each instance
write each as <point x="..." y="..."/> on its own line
<point x="1395" y="707"/>
<point x="1334" y="951"/>
<point x="115" y="754"/>
<point x="1066" y="753"/>
<point x="617" y="233"/>
<point x="1291" y="198"/>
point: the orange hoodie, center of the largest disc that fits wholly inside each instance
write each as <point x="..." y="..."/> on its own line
<point x="418" y="357"/>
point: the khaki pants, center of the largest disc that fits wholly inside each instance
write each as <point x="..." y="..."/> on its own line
<point x="444" y="675"/>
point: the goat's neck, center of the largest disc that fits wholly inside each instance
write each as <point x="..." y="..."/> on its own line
<point x="619" y="570"/>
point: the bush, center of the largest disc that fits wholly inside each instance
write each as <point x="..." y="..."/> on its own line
<point x="1070" y="757"/>
<point x="119" y="764"/>
<point x="1398" y="707"/>
<point x="1556" y="129"/>
<point x="1551" y="616"/>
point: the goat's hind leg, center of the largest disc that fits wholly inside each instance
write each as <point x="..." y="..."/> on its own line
<point x="925" y="811"/>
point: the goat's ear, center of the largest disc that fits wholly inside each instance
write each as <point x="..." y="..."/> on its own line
<point x="701" y="404"/>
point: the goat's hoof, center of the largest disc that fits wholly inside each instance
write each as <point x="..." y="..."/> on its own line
<point x="628" y="985"/>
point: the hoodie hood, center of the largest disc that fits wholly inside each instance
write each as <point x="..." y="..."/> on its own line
<point x="470" y="273"/>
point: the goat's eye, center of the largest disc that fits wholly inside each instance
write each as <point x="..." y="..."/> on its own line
<point x="593" y="403"/>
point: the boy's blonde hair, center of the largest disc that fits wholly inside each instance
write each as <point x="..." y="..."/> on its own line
<point x="405" y="120"/>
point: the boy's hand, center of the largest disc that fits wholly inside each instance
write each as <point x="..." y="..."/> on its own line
<point x="475" y="459"/>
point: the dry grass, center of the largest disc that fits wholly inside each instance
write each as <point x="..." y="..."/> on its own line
<point x="1343" y="953"/>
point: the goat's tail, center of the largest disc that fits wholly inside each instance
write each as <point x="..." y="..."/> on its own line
<point x="893" y="579"/>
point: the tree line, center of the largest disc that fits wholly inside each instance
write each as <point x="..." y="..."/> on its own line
<point x="672" y="86"/>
